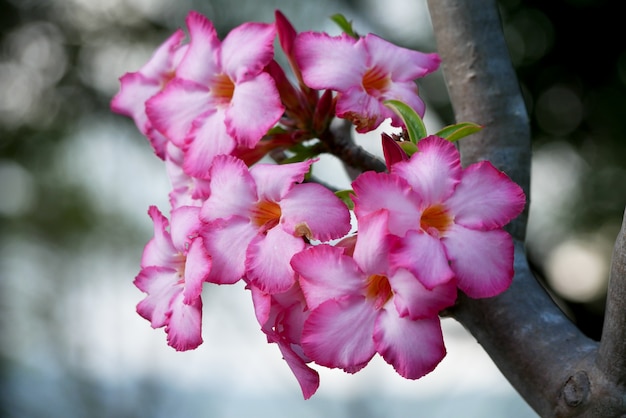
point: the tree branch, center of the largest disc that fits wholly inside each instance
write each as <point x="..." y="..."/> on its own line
<point x="544" y="356"/>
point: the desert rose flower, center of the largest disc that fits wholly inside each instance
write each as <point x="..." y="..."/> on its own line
<point x="174" y="266"/>
<point x="221" y="97"/>
<point x="450" y="219"/>
<point x="360" y="306"/>
<point x="257" y="219"/>
<point x="365" y="73"/>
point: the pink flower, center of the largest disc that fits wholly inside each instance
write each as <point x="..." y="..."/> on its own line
<point x="258" y="218"/>
<point x="360" y="306"/>
<point x="221" y="97"/>
<point x="450" y="219"/>
<point x="137" y="87"/>
<point x="173" y="267"/>
<point x="365" y="73"/>
<point x="282" y="317"/>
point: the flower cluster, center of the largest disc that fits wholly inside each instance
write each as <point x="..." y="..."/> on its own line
<point x="425" y="227"/>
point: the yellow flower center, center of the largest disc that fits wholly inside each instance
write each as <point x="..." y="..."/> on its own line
<point x="266" y="214"/>
<point x="436" y="220"/>
<point x="379" y="289"/>
<point x="375" y="81"/>
<point x="223" y="88"/>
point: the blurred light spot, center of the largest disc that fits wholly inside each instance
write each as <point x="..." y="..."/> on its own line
<point x="578" y="268"/>
<point x="16" y="189"/>
<point x="405" y="19"/>
<point x="556" y="172"/>
<point x="559" y="110"/>
<point x="529" y="36"/>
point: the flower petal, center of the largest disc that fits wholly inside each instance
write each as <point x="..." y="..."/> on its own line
<point x="197" y="269"/>
<point x="267" y="260"/>
<point x="307" y="377"/>
<point x="486" y="198"/>
<point x="160" y="284"/>
<point x="401" y="63"/>
<point x="200" y="62"/>
<point x="406" y="92"/>
<point x="273" y="181"/>
<point x="375" y="191"/>
<point x="226" y="241"/>
<point x="413" y="348"/>
<point x="173" y="110"/>
<point x="207" y="139"/>
<point x="424" y="256"/>
<point x="184" y="328"/>
<point x="373" y="243"/>
<point x="365" y="111"/>
<point x="330" y="62"/>
<point x="159" y="251"/>
<point x="184" y="226"/>
<point x="247" y="49"/>
<point x="301" y="213"/>
<point x="135" y="90"/>
<point x="434" y="171"/>
<point x="166" y="58"/>
<point x="326" y="273"/>
<point x="338" y="333"/>
<point x="254" y="109"/>
<point x="481" y="260"/>
<point x="233" y="191"/>
<point x="414" y="300"/>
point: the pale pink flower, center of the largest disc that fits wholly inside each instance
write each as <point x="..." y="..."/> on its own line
<point x="360" y="306"/>
<point x="257" y="219"/>
<point x="365" y="73"/>
<point x="450" y="219"/>
<point x="137" y="87"/>
<point x="174" y="266"/>
<point x="221" y="97"/>
<point x="282" y="316"/>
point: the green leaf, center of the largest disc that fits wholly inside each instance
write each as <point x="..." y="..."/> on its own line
<point x="408" y="147"/>
<point x="458" y="131"/>
<point x="344" y="24"/>
<point x="346" y="197"/>
<point x="413" y="122"/>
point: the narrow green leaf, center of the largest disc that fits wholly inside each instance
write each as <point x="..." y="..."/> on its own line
<point x="346" y="197"/>
<point x="344" y="24"/>
<point x="413" y="122"/>
<point x="458" y="131"/>
<point x="408" y="147"/>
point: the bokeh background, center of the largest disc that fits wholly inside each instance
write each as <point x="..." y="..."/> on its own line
<point x="76" y="182"/>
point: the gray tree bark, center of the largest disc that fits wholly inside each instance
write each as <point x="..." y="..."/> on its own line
<point x="556" y="369"/>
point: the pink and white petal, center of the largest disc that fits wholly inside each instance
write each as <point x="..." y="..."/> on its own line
<point x="267" y="260"/>
<point x="481" y="260"/>
<point x="173" y="110"/>
<point x="159" y="251"/>
<point x="338" y="333"/>
<point x="301" y="213"/>
<point x="365" y="111"/>
<point x="373" y="243"/>
<point x="157" y="140"/>
<point x="207" y="139"/>
<point x="375" y="191"/>
<point x="164" y="59"/>
<point x="200" y="62"/>
<point x="273" y="181"/>
<point x="135" y="90"/>
<point x="424" y="256"/>
<point x="184" y="226"/>
<point x="486" y="198"/>
<point x="326" y="273"/>
<point x="247" y="49"/>
<point x="197" y="270"/>
<point x="262" y="303"/>
<point x="160" y="285"/>
<point x="308" y="378"/>
<point x="323" y="59"/>
<point x="184" y="329"/>
<point x="413" y="348"/>
<point x="434" y="171"/>
<point x="226" y="241"/>
<point x="414" y="300"/>
<point x="254" y="109"/>
<point x="233" y="191"/>
<point x="406" y="92"/>
<point x="401" y="63"/>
